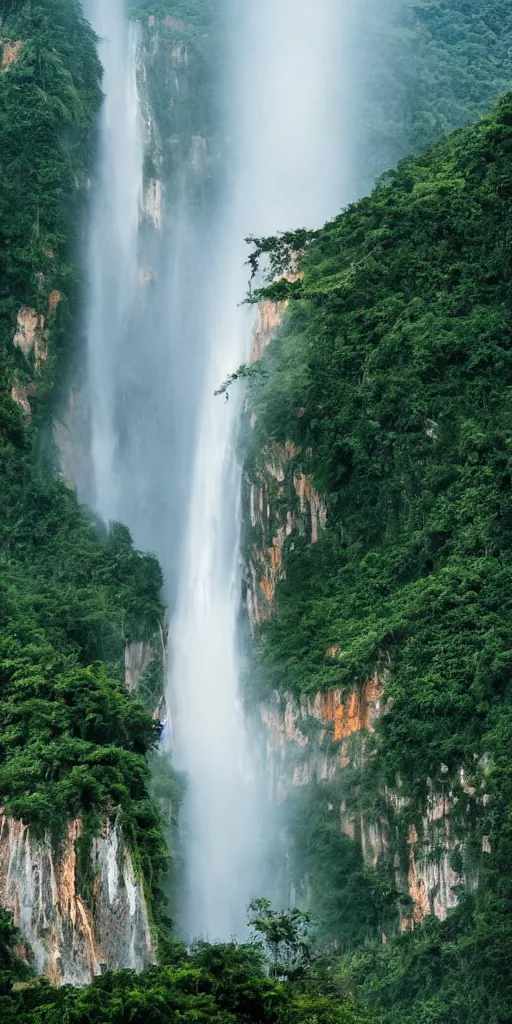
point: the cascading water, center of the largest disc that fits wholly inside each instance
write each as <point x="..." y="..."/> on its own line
<point x="284" y="134"/>
<point x="166" y="275"/>
<point x="113" y="242"/>
<point x="149" y="245"/>
<point x="221" y="814"/>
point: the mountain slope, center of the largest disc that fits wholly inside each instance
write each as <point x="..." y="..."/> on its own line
<point x="387" y="388"/>
<point x="74" y="598"/>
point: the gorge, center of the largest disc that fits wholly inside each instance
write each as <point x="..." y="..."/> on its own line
<point x="254" y="602"/>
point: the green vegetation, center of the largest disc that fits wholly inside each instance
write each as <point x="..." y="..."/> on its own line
<point x="223" y="984"/>
<point x="391" y="376"/>
<point x="433" y="67"/>
<point x="72" y="595"/>
<point x="352" y="902"/>
<point x="285" y="938"/>
<point x="49" y="95"/>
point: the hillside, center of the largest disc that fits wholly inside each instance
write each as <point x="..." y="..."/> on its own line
<point x="74" y="597"/>
<point x="386" y="391"/>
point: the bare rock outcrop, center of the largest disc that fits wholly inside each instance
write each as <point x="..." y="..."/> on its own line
<point x="72" y="940"/>
<point x="10" y="51"/>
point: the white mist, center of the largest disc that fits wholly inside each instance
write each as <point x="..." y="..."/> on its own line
<point x="162" y="446"/>
<point x="285" y="120"/>
<point x="113" y="236"/>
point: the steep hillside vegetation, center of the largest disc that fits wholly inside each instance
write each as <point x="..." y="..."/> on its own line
<point x="223" y="984"/>
<point x="388" y="389"/>
<point x="72" y="597"/>
<point x="425" y="69"/>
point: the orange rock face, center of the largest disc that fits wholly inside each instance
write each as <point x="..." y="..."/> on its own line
<point x="69" y="940"/>
<point x="284" y="724"/>
<point x="416" y="883"/>
<point x="53" y="301"/>
<point x="270" y="316"/>
<point x="357" y="712"/>
<point x="10" y="53"/>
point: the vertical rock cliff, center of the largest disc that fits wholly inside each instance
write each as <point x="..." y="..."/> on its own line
<point x="326" y="737"/>
<point x="70" y="938"/>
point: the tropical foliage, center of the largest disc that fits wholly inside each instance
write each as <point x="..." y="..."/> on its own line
<point x="72" y="595"/>
<point x="223" y="984"/>
<point x="420" y="70"/>
<point x="390" y="379"/>
<point x="49" y="95"/>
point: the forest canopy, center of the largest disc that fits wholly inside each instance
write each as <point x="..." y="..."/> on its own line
<point x="390" y="380"/>
<point x="73" y="594"/>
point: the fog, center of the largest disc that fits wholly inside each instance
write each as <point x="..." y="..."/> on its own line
<point x="148" y="307"/>
<point x="295" y="154"/>
<point x="113" y="243"/>
<point x="284" y="127"/>
<point x="164" y="328"/>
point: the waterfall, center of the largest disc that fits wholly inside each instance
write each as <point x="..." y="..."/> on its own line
<point x="149" y="249"/>
<point x="286" y="173"/>
<point x="166" y="274"/>
<point x="221" y="812"/>
<point x="113" y="237"/>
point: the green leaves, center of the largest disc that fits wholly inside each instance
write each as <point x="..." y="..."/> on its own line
<point x="72" y="595"/>
<point x="285" y="938"/>
<point x="390" y="378"/>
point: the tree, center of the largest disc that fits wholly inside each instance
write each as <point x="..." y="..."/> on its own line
<point x="285" y="938"/>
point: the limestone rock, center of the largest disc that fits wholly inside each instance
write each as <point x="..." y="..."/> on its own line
<point x="70" y="940"/>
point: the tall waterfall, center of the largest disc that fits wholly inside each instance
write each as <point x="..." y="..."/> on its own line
<point x="221" y="814"/>
<point x="149" y="248"/>
<point x="166" y="274"/>
<point x="113" y="241"/>
<point x="284" y="135"/>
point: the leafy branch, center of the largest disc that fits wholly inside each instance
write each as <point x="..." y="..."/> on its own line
<point x="283" y="251"/>
<point x="244" y="372"/>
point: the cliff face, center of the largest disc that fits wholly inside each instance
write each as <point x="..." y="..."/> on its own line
<point x="308" y="737"/>
<point x="32" y="338"/>
<point x="171" y="63"/>
<point x="323" y="739"/>
<point x="326" y="737"/>
<point x="280" y="499"/>
<point x="69" y="938"/>
<point x="137" y="658"/>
